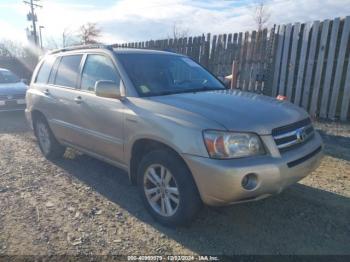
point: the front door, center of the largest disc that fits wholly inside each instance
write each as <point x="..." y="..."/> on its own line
<point x="100" y="119"/>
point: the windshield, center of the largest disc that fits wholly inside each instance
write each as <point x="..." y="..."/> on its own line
<point x="160" y="74"/>
<point x="7" y="77"/>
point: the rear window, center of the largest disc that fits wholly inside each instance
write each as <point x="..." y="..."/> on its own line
<point x="45" y="70"/>
<point x="68" y="71"/>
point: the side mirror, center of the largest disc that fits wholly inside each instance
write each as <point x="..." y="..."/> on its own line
<point x="25" y="81"/>
<point x="109" y="89"/>
<point x="225" y="81"/>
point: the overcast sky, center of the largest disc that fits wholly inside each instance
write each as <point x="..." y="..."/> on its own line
<point x="134" y="20"/>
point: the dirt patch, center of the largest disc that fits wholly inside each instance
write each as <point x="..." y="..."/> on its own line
<point x="84" y="206"/>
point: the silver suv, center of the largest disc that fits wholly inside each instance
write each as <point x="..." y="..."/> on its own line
<point x="182" y="136"/>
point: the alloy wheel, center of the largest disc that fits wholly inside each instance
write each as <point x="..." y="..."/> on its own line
<point x="161" y="190"/>
<point x="44" y="137"/>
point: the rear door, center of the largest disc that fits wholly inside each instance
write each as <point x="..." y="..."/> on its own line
<point x="101" y="120"/>
<point x="62" y="91"/>
<point x="39" y="92"/>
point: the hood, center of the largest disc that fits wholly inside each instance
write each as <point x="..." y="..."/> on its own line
<point x="13" y="88"/>
<point x="237" y="110"/>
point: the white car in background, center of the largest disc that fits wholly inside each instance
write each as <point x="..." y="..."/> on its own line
<point x="12" y="91"/>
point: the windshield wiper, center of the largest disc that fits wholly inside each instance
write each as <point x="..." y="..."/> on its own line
<point x="203" y="89"/>
<point x="179" y="91"/>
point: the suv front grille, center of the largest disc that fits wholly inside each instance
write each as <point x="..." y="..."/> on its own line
<point x="293" y="135"/>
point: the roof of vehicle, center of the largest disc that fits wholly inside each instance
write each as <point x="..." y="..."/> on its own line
<point x="4" y="69"/>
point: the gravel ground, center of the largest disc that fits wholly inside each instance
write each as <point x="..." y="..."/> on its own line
<point x="79" y="205"/>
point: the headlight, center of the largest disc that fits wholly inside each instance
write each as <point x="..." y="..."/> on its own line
<point x="222" y="144"/>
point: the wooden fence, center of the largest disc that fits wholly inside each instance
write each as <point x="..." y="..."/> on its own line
<point x="308" y="63"/>
<point x="312" y="67"/>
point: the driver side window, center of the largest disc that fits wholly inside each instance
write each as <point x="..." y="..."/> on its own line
<point x="98" y="67"/>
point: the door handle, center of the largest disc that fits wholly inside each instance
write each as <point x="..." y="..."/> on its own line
<point x="78" y="100"/>
<point x="47" y="92"/>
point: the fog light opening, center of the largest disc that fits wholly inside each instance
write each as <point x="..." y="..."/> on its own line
<point x="249" y="181"/>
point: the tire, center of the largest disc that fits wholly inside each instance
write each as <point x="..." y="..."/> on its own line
<point x="188" y="203"/>
<point x="48" y="144"/>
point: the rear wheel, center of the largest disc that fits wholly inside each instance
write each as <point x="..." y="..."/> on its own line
<point x="167" y="188"/>
<point x="48" y="144"/>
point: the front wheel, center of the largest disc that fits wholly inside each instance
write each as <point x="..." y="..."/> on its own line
<point x="167" y="188"/>
<point x="48" y="144"/>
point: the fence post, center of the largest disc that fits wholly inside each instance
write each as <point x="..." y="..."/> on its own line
<point x="339" y="69"/>
<point x="276" y="71"/>
<point x="302" y="62"/>
<point x="234" y="74"/>
<point x="319" y="68"/>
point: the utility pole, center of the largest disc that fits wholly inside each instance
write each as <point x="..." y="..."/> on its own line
<point x="41" y="36"/>
<point x="32" y="17"/>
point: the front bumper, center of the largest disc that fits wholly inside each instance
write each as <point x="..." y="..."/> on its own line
<point x="11" y="105"/>
<point x="12" y="108"/>
<point x="219" y="181"/>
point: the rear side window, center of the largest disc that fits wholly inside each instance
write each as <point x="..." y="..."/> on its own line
<point x="68" y="71"/>
<point x="53" y="71"/>
<point x="45" y="70"/>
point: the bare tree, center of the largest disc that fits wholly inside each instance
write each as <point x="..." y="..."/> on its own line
<point x="52" y="43"/>
<point x="12" y="49"/>
<point x="261" y="14"/>
<point x="89" y="33"/>
<point x="178" y="31"/>
<point x="68" y="38"/>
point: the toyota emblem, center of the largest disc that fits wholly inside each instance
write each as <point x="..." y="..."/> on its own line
<point x="301" y="135"/>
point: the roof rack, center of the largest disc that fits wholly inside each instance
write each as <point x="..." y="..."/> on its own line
<point x="79" y="47"/>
